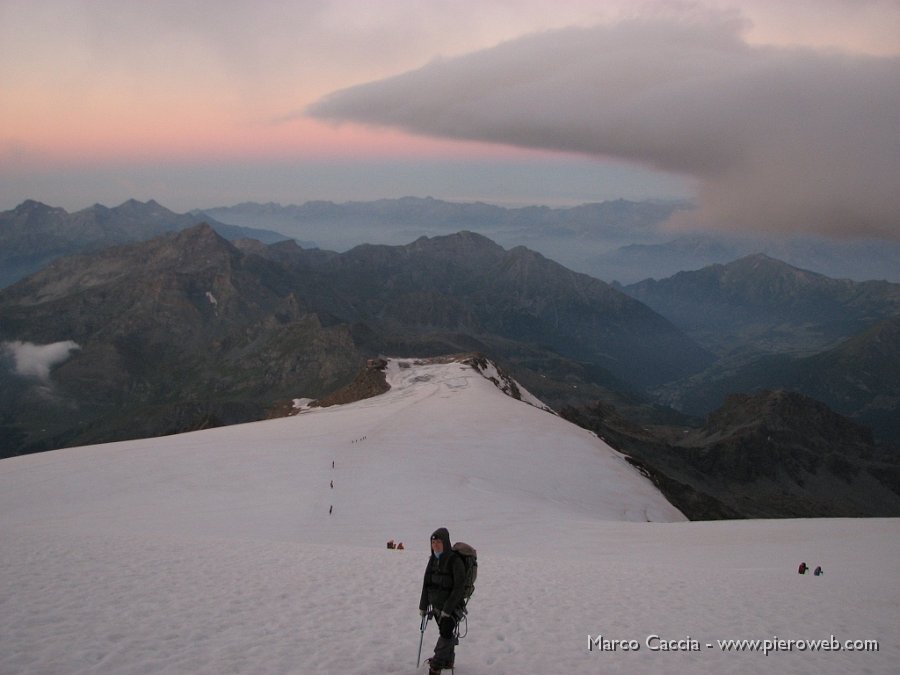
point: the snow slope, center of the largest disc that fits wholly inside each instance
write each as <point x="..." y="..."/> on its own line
<point x="214" y="552"/>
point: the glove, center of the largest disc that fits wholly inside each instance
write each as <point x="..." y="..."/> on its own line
<point x="423" y="612"/>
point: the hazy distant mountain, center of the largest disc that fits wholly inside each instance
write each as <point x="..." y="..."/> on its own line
<point x="189" y="330"/>
<point x="33" y="234"/>
<point x="397" y="221"/>
<point x="617" y="240"/>
<point x="777" y="326"/>
<point x="637" y="262"/>
<point x="571" y="236"/>
<point x="758" y="304"/>
<point x="859" y="378"/>
<point x="862" y="260"/>
<point x="769" y="454"/>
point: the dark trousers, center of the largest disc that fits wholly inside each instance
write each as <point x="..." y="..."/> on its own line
<point x="445" y="648"/>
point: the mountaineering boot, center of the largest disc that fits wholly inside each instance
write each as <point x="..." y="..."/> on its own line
<point x="435" y="669"/>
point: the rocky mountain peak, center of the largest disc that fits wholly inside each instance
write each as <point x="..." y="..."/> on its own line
<point x="462" y="244"/>
<point x="30" y="205"/>
<point x="195" y="248"/>
<point x="32" y="210"/>
<point x="777" y="412"/>
<point x="199" y="233"/>
<point x="135" y="207"/>
<point x="760" y="268"/>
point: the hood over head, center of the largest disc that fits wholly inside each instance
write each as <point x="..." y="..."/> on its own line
<point x="444" y="535"/>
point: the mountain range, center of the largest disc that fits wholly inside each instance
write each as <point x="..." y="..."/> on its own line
<point x="33" y="234"/>
<point x="770" y="454"/>
<point x="761" y="304"/>
<point x="619" y="240"/>
<point x="774" y="326"/>
<point x="188" y="330"/>
<point x="859" y="260"/>
<point x="397" y="221"/>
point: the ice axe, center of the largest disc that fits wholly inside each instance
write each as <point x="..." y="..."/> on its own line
<point x="422" y="636"/>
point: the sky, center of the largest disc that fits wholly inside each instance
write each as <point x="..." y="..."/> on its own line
<point x="768" y="115"/>
<point x="214" y="552"/>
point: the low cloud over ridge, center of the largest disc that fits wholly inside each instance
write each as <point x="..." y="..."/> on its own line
<point x="779" y="139"/>
<point x="35" y="361"/>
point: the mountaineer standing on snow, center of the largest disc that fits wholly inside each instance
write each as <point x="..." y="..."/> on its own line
<point x="442" y="590"/>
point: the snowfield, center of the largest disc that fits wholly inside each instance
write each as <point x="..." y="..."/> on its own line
<point x="215" y="552"/>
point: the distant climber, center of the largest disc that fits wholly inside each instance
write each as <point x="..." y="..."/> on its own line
<point x="803" y="568"/>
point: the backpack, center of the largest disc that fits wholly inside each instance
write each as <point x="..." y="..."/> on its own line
<point x="470" y="561"/>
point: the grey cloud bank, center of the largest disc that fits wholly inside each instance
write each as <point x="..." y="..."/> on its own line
<point x="778" y="139"/>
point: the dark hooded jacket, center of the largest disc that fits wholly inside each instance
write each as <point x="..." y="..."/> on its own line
<point x="445" y="578"/>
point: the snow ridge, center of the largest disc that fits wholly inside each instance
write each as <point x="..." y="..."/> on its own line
<point x="260" y="548"/>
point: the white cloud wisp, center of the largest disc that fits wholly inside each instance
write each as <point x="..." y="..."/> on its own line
<point x="35" y="361"/>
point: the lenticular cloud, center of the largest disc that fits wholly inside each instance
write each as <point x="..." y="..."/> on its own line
<point x="778" y="138"/>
